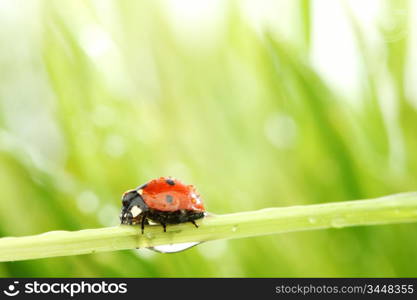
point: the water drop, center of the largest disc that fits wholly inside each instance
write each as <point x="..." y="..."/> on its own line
<point x="173" y="248"/>
<point x="339" y="222"/>
<point x="312" y="220"/>
<point x="234" y="228"/>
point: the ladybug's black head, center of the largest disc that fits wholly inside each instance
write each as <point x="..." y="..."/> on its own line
<point x="133" y="207"/>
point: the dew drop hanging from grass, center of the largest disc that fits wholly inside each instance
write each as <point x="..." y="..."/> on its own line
<point x="173" y="248"/>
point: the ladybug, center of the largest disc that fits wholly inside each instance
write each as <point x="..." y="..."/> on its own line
<point x="165" y="201"/>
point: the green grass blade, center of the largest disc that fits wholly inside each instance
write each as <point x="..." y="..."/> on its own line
<point x="399" y="208"/>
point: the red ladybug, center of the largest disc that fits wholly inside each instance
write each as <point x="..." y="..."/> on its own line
<point x="164" y="200"/>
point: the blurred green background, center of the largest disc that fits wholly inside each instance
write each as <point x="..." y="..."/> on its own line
<point x="257" y="103"/>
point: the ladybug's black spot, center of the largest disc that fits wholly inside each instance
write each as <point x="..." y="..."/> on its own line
<point x="170" y="181"/>
<point x="169" y="199"/>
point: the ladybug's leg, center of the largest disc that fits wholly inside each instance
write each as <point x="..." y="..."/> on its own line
<point x="165" y="226"/>
<point x="142" y="224"/>
<point x="195" y="224"/>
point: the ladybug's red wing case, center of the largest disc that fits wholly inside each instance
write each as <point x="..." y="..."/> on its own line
<point x="167" y="194"/>
<point x="164" y="200"/>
